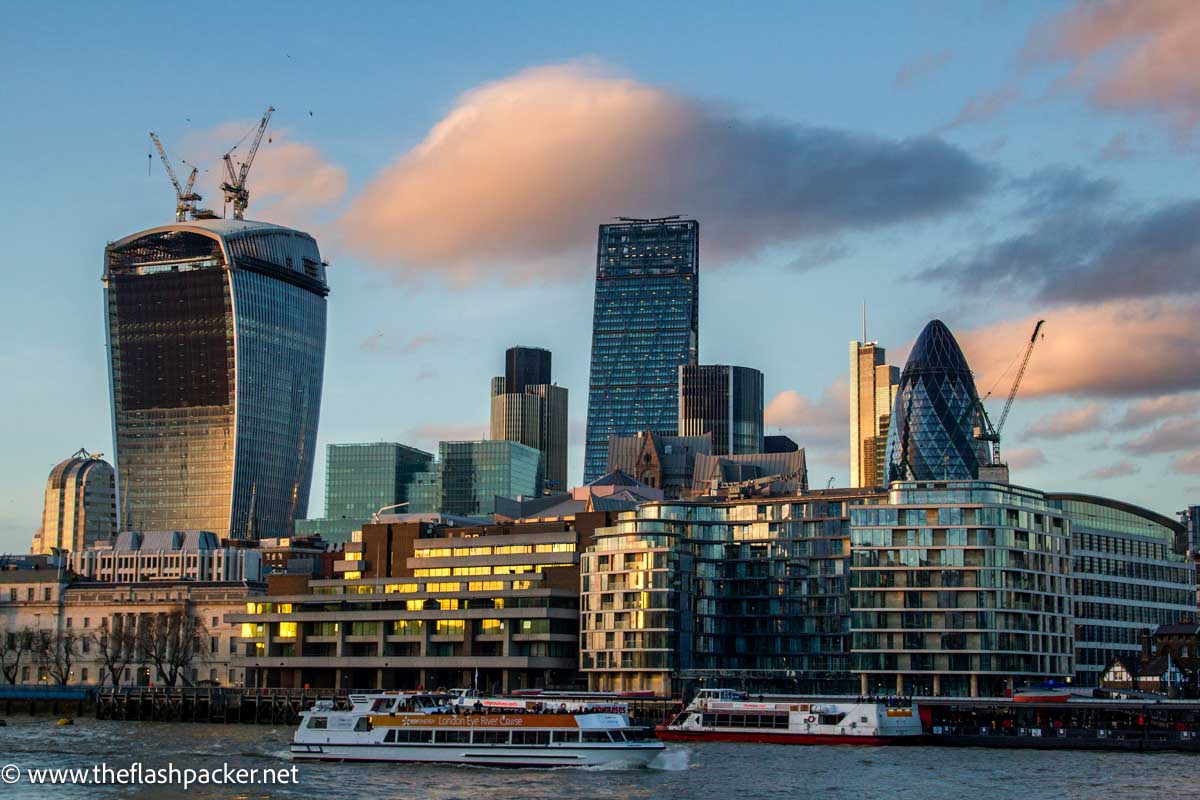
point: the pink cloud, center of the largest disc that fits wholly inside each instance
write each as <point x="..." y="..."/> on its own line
<point x="290" y="181"/>
<point x="1188" y="463"/>
<point x="820" y="425"/>
<point x="921" y="67"/>
<point x="1130" y="54"/>
<point x="1130" y="348"/>
<point x="1171" y="436"/>
<point x="1120" y="469"/>
<point x="1069" y="422"/>
<point x="983" y="107"/>
<point x="514" y="179"/>
<point x="1019" y="458"/>
<point x="1154" y="409"/>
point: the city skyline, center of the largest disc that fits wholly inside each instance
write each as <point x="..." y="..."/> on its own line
<point x="1110" y="400"/>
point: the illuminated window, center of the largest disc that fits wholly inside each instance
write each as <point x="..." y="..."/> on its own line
<point x="443" y="587"/>
<point x="472" y="571"/>
<point x="557" y="547"/>
<point x="399" y="588"/>
<point x="485" y="586"/>
<point x="352" y="575"/>
<point x="449" y="627"/>
<point x="491" y="626"/>
<point x="408" y="627"/>
<point x="287" y="630"/>
<point x="415" y="605"/>
<point x="449" y="604"/>
<point x="438" y="572"/>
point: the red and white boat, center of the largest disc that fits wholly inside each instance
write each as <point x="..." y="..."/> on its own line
<point x="725" y="715"/>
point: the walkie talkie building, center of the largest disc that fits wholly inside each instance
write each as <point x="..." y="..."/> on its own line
<point x="216" y="340"/>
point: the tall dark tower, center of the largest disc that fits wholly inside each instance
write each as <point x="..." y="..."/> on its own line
<point x="216" y="339"/>
<point x="526" y="366"/>
<point x="645" y="326"/>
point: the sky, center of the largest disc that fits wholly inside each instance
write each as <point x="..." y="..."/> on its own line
<point x="986" y="163"/>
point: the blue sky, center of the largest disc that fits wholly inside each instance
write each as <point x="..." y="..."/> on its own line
<point x="1011" y="160"/>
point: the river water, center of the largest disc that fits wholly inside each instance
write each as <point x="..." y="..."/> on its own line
<point x="691" y="772"/>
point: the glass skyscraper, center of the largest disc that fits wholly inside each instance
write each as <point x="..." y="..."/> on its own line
<point x="469" y="476"/>
<point x="931" y="434"/>
<point x="644" y="327"/>
<point x="360" y="479"/>
<point x="725" y="401"/>
<point x="216" y="339"/>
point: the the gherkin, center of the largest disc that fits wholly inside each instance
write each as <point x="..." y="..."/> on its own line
<point x="932" y="431"/>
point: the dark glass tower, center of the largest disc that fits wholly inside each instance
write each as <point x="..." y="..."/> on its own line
<point x="932" y="432"/>
<point x="216" y="339"/>
<point x="645" y="326"/>
<point x="725" y="401"/>
<point x="526" y="366"/>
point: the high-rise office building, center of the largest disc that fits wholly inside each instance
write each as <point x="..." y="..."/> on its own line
<point x="872" y="393"/>
<point x="469" y="476"/>
<point x="528" y="408"/>
<point x="1131" y="572"/>
<point x="936" y="413"/>
<point x="725" y="401"/>
<point x="526" y="366"/>
<point x="360" y="479"/>
<point x="216" y="338"/>
<point x="644" y="327"/>
<point x="80" y="509"/>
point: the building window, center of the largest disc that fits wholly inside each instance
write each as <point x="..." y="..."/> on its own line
<point x="83" y="674"/>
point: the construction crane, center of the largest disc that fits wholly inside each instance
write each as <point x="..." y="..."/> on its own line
<point x="983" y="428"/>
<point x="185" y="196"/>
<point x="1012" y="393"/>
<point x="234" y="185"/>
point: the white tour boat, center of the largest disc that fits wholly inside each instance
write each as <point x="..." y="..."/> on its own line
<point x="726" y="715"/>
<point x="425" y="727"/>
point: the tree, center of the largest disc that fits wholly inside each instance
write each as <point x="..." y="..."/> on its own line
<point x="171" y="641"/>
<point x="55" y="653"/>
<point x="14" y="645"/>
<point x="117" y="644"/>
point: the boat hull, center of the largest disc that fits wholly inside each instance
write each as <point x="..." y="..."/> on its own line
<point x="779" y="737"/>
<point x="498" y="756"/>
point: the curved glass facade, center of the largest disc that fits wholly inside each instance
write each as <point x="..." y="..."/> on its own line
<point x="936" y="412"/>
<point x="216" y="335"/>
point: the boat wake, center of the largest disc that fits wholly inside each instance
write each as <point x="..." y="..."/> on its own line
<point x="671" y="760"/>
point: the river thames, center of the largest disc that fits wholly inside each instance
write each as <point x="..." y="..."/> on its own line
<point x="692" y="772"/>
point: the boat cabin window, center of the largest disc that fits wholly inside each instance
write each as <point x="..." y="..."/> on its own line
<point x="409" y="737"/>
<point x="566" y="737"/>
<point x="362" y="724"/>
<point x="383" y="704"/>
<point x="636" y="735"/>
<point x="831" y="719"/>
<point x="491" y="737"/>
<point x="390" y="736"/>
<point x="453" y="737"/>
<point x="779" y="720"/>
<point x="596" y="736"/>
<point x="531" y="737"/>
<point x="318" y="723"/>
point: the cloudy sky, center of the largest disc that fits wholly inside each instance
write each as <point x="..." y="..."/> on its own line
<point x="987" y="163"/>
